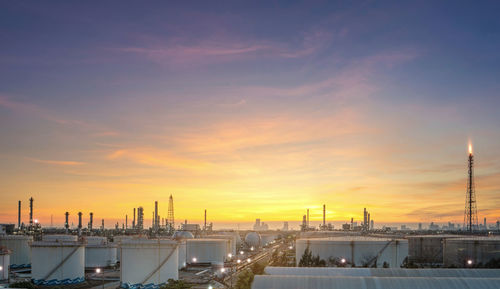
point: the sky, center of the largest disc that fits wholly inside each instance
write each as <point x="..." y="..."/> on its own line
<point x="258" y="109"/>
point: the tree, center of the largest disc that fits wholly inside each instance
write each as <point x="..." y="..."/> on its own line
<point x="308" y="260"/>
<point x="175" y="284"/>
<point x="245" y="280"/>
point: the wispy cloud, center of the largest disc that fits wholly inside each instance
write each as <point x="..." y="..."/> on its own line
<point x="226" y="48"/>
<point x="57" y="162"/>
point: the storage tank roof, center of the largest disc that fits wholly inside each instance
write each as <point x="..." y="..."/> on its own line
<point x="478" y="238"/>
<point x="57" y="244"/>
<point x="147" y="242"/>
<point x="350" y="239"/>
<point x="15" y="237"/>
<point x="433" y="236"/>
<point x="383" y="272"/>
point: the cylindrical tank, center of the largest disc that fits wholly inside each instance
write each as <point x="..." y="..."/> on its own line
<point x="470" y="251"/>
<point x="99" y="253"/>
<point x="149" y="261"/>
<point x="427" y="249"/>
<point x="231" y="245"/>
<point x="60" y="238"/>
<point x="253" y="239"/>
<point x="267" y="239"/>
<point x="20" y="248"/>
<point x="4" y="263"/>
<point x="182" y="254"/>
<point x="117" y="240"/>
<point x="213" y="251"/>
<point x="56" y="263"/>
<point x="180" y="235"/>
<point x="236" y="236"/>
<point x="357" y="251"/>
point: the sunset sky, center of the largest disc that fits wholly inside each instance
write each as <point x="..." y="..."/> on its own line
<point x="249" y="110"/>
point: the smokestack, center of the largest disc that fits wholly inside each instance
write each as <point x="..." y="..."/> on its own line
<point x="205" y="225"/>
<point x="352" y="223"/>
<point x="307" y="218"/>
<point x="66" y="222"/>
<point x="31" y="211"/>
<point x="79" y="220"/>
<point x="102" y="226"/>
<point x="368" y="223"/>
<point x="156" y="216"/>
<point x="133" y="222"/>
<point x="91" y="222"/>
<point x="19" y="214"/>
<point x="324" y="216"/>
<point x="126" y="221"/>
<point x="364" y="219"/>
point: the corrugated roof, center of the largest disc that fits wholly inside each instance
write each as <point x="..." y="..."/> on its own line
<point x="383" y="272"/>
<point x="317" y="282"/>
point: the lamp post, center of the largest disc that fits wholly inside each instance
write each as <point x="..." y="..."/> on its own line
<point x="98" y="271"/>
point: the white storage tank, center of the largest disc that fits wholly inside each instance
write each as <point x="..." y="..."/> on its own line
<point x="357" y="251"/>
<point x="59" y="238"/>
<point x="237" y="238"/>
<point x="213" y="251"/>
<point x="4" y="263"/>
<point x="182" y="254"/>
<point x="231" y="245"/>
<point x="117" y="240"/>
<point x="470" y="251"/>
<point x="253" y="239"/>
<point x="181" y="235"/>
<point x="20" y="248"/>
<point x="427" y="249"/>
<point x="99" y="253"/>
<point x="267" y="239"/>
<point x="148" y="261"/>
<point x="56" y="263"/>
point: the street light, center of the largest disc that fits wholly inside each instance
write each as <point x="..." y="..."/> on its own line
<point x="98" y="271"/>
<point x="469" y="262"/>
<point x="194" y="260"/>
<point x="342" y="260"/>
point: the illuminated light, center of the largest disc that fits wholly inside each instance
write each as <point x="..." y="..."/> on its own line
<point x="194" y="260"/>
<point x="342" y="260"/>
<point x="1" y="268"/>
<point x="251" y="249"/>
<point x="469" y="262"/>
<point x="98" y="270"/>
<point x="248" y="260"/>
<point x="241" y="252"/>
<point x="291" y="247"/>
<point x="470" y="148"/>
<point x="36" y="221"/>
<point x="230" y="255"/>
<point x="210" y="287"/>
<point x="238" y="261"/>
<point x="222" y="270"/>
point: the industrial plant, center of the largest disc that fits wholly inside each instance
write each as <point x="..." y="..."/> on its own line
<point x="136" y="256"/>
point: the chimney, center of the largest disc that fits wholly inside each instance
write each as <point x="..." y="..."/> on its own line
<point x="324" y="216"/>
<point x="205" y="225"/>
<point x="155" y="226"/>
<point x="66" y="223"/>
<point x="19" y="214"/>
<point x="133" y="221"/>
<point x="126" y="221"/>
<point x="307" y="218"/>
<point x="91" y="222"/>
<point x="79" y="220"/>
<point x="31" y="211"/>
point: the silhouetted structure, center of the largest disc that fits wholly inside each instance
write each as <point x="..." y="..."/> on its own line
<point x="470" y="215"/>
